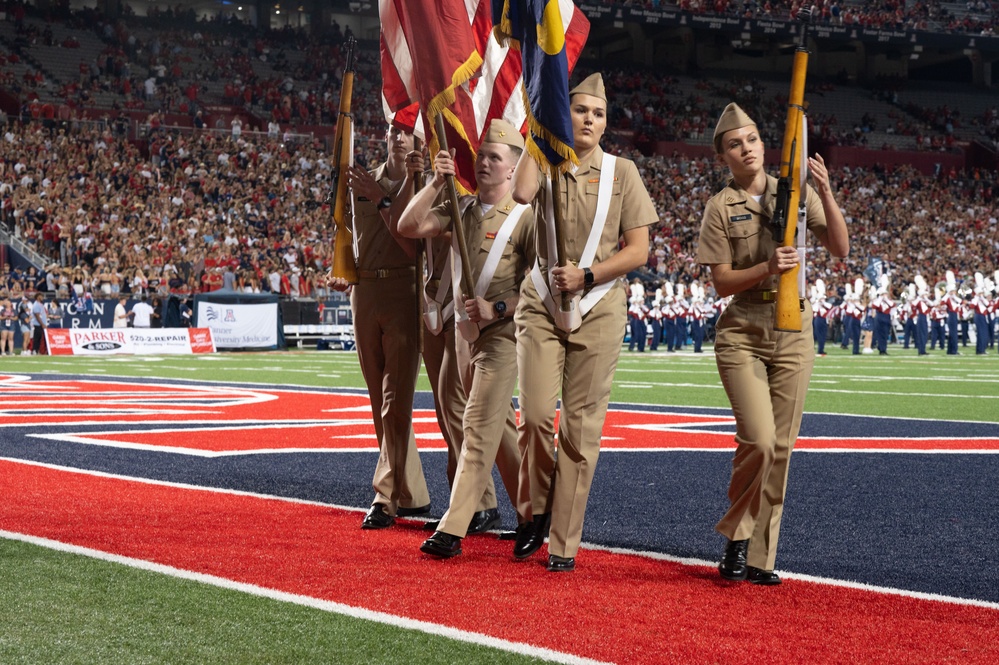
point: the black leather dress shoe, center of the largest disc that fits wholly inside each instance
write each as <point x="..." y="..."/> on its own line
<point x="413" y="512"/>
<point x="762" y="577"/>
<point x="561" y="564"/>
<point x="531" y="535"/>
<point x="733" y="563"/>
<point x="485" y="520"/>
<point x="431" y="525"/>
<point x="377" y="518"/>
<point x="442" y="544"/>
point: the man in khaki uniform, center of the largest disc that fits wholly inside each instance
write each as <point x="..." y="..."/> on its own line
<point x="578" y="362"/>
<point x="386" y="325"/>
<point x="765" y="372"/>
<point x="440" y="357"/>
<point x="499" y="236"/>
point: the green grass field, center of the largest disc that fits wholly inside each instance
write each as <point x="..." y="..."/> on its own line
<point x="964" y="387"/>
<point x="58" y="607"/>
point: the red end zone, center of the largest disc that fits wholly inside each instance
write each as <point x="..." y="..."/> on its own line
<point x="224" y="420"/>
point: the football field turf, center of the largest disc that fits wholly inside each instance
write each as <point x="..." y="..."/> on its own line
<point x="69" y="601"/>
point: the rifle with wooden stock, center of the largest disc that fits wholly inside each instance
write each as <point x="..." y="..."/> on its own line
<point x="787" y="316"/>
<point x="344" y="263"/>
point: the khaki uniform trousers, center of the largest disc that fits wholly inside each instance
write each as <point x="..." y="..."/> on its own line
<point x="441" y="361"/>
<point x="581" y="365"/>
<point x="490" y="428"/>
<point x="765" y="374"/>
<point x="385" y="330"/>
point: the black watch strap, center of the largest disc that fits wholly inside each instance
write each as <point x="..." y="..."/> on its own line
<point x="587" y="277"/>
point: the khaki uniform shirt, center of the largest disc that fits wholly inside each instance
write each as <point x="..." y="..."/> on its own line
<point x="631" y="207"/>
<point x="376" y="248"/>
<point x="480" y="233"/>
<point x="736" y="230"/>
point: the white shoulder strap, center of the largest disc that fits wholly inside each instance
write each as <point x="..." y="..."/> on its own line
<point x="496" y="251"/>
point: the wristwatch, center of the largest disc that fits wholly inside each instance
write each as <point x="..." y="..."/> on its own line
<point x="500" y="307"/>
<point x="587" y="277"/>
<point x="385" y="202"/>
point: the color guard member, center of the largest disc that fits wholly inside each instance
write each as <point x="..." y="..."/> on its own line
<point x="602" y="201"/>
<point x="500" y="238"/>
<point x="765" y="372"/>
<point x="386" y="324"/>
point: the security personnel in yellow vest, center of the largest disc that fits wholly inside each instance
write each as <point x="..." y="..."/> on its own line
<point x="500" y="240"/>
<point x="603" y="201"/>
<point x="386" y="324"/>
<point x="765" y="373"/>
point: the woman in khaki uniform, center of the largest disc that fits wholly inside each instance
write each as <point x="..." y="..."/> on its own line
<point x="579" y="364"/>
<point x="765" y="373"/>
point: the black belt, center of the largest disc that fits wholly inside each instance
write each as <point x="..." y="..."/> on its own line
<point x="384" y="273"/>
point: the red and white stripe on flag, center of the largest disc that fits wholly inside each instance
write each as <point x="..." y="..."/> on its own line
<point x="430" y="56"/>
<point x="495" y="93"/>
<point x="498" y="93"/>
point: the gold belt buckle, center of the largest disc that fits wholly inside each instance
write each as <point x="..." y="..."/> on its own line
<point x="768" y="296"/>
<point x="382" y="273"/>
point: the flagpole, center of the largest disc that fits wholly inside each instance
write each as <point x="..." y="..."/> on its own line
<point x="566" y="300"/>
<point x="467" y="286"/>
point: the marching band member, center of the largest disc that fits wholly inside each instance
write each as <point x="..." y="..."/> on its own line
<point x="952" y="303"/>
<point x="938" y="320"/>
<point x="907" y="314"/>
<point x="669" y="318"/>
<point x="820" y="310"/>
<point x="882" y="306"/>
<point x="921" y="308"/>
<point x="656" y="320"/>
<point x="682" y="310"/>
<point x="697" y="312"/>
<point x="981" y="307"/>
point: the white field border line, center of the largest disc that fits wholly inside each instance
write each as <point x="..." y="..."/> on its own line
<point x="848" y="584"/>
<point x="439" y="630"/>
<point x="219" y="424"/>
<point x="645" y="407"/>
<point x="85" y="439"/>
<point x="664" y="384"/>
<point x="589" y="546"/>
<point x="185" y="383"/>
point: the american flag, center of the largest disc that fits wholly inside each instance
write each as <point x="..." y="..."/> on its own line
<point x="497" y="89"/>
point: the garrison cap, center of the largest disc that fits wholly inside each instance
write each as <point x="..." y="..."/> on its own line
<point x="501" y="131"/>
<point x="592" y="85"/>
<point x="733" y="117"/>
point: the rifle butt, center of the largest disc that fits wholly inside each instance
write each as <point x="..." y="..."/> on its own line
<point x="343" y="256"/>
<point x="787" y="317"/>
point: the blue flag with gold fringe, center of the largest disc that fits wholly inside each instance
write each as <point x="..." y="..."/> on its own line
<point x="543" y="31"/>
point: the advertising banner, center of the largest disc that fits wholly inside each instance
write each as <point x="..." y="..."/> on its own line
<point x="137" y="341"/>
<point x="239" y="325"/>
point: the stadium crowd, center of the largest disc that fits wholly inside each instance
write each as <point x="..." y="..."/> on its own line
<point x="979" y="16"/>
<point x="112" y="220"/>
